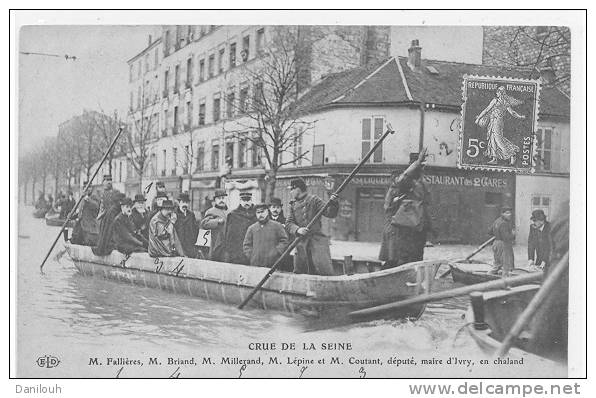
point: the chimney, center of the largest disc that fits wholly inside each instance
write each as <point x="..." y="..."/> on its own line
<point x="149" y="43"/>
<point x="414" y="55"/>
<point x="547" y="75"/>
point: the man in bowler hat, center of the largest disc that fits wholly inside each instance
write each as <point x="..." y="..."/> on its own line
<point x="215" y="221"/>
<point x="539" y="241"/>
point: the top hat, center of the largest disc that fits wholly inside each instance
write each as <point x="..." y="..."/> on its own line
<point x="167" y="204"/>
<point x="125" y="202"/>
<point x="183" y="197"/>
<point x="219" y="193"/>
<point x="139" y="198"/>
<point x="298" y="183"/>
<point x="538" y="215"/>
<point x="275" y="202"/>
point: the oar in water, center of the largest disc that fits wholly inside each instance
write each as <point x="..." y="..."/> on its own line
<point x="316" y="217"/>
<point x="534" y="305"/>
<point x="461" y="291"/>
<point x="72" y="212"/>
<point x="478" y="250"/>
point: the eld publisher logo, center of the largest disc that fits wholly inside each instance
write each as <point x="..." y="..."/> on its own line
<point x="48" y="361"/>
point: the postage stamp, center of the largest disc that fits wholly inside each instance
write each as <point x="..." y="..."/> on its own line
<point x="499" y="117"/>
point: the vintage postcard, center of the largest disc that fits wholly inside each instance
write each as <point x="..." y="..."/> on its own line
<point x="211" y="196"/>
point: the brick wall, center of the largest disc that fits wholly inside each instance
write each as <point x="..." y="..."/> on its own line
<point x="531" y="46"/>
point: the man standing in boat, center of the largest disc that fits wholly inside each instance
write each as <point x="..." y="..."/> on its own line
<point x="109" y="197"/>
<point x="503" y="231"/>
<point x="312" y="253"/>
<point x="265" y="240"/>
<point x="406" y="216"/>
<point x="124" y="237"/>
<point x="539" y="241"/>
<point x="106" y="227"/>
<point x="186" y="225"/>
<point x="237" y="223"/>
<point x="163" y="239"/>
<point x="215" y="221"/>
<point x="86" y="228"/>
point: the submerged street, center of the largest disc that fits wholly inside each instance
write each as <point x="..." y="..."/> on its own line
<point x="76" y="318"/>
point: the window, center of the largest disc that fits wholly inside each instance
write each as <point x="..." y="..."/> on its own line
<point x="164" y="162"/>
<point x="368" y="139"/>
<point x="139" y="97"/>
<point x="156" y="59"/>
<point x="232" y="55"/>
<point x="176" y="78"/>
<point x="130" y="72"/>
<point x="153" y="165"/>
<point x="188" y="115"/>
<point x="256" y="151"/>
<point x="242" y="105"/>
<point x="258" y="94"/>
<point x="201" y="70"/>
<point x="297" y="147"/>
<point x="245" y="48"/>
<point x="175" y="120"/>
<point x="131" y="100"/>
<point x="189" y="72"/>
<point x="215" y="156"/>
<point x="200" y="157"/>
<point x="166" y="81"/>
<point x="220" y="61"/>
<point x="544" y="150"/>
<point x="166" y="45"/>
<point x="210" y="66"/>
<point x="187" y="159"/>
<point x="216" y="109"/>
<point x="202" y="113"/>
<point x="146" y="62"/>
<point x="230" y="102"/>
<point x="318" y="155"/>
<point x="165" y="123"/>
<point x="140" y="69"/>
<point x="174" y="160"/>
<point x="541" y="202"/>
<point x="260" y="40"/>
<point x="242" y="153"/>
<point x="230" y="154"/>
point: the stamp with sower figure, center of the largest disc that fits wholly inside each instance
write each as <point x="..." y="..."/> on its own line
<point x="499" y="117"/>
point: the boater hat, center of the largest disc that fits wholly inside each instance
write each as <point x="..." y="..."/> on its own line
<point x="167" y="204"/>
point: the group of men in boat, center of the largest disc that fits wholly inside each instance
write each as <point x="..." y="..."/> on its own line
<point x="255" y="234"/>
<point x="63" y="204"/>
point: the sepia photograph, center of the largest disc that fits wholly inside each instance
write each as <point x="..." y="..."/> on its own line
<point x="297" y="200"/>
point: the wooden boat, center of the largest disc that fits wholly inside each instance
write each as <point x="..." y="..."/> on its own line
<point x="310" y="295"/>
<point x="493" y="314"/>
<point x="471" y="272"/>
<point x="54" y="220"/>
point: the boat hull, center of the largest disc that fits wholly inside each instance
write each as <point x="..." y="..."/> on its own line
<point x="309" y="295"/>
<point x="54" y="221"/>
<point x="470" y="273"/>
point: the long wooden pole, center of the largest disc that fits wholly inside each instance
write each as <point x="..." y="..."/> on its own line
<point x="460" y="291"/>
<point x="319" y="214"/>
<point x="72" y="212"/>
<point x="534" y="305"/>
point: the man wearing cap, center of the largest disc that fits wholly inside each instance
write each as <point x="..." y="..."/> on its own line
<point x="312" y="253"/>
<point x="109" y="197"/>
<point x="237" y="223"/>
<point x="265" y="240"/>
<point x="124" y="237"/>
<point x="407" y="221"/>
<point x="186" y="225"/>
<point x="215" y="221"/>
<point x="503" y="231"/>
<point x="106" y="227"/>
<point x="163" y="239"/>
<point x="86" y="228"/>
<point x="276" y="211"/>
<point x="539" y="241"/>
<point x="139" y="216"/>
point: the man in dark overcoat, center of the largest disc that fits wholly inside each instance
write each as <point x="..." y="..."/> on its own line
<point x="86" y="229"/>
<point x="140" y="216"/>
<point x="265" y="240"/>
<point x="539" y="241"/>
<point x="186" y="226"/>
<point x="124" y="237"/>
<point x="106" y="227"/>
<point x="313" y="255"/>
<point x="237" y="223"/>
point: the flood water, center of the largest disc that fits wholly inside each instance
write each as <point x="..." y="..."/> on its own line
<point x="74" y="318"/>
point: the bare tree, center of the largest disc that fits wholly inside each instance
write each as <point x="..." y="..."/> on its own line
<point x="272" y="122"/>
<point x="141" y="134"/>
<point x="107" y="128"/>
<point x="536" y="48"/>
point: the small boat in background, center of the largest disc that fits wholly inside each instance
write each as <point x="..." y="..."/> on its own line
<point x="311" y="295"/>
<point x="470" y="272"/>
<point x="54" y="220"/>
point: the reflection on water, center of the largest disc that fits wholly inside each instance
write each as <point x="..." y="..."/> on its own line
<point x="65" y="313"/>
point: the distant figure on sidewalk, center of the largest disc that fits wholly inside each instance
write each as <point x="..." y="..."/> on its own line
<point x="265" y="240"/>
<point x="406" y="216"/>
<point x="312" y="253"/>
<point x="503" y="231"/>
<point x="163" y="239"/>
<point x="539" y="241"/>
<point x="215" y="221"/>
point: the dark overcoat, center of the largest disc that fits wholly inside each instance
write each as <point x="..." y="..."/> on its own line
<point x="540" y="244"/>
<point x="124" y="238"/>
<point x="264" y="243"/>
<point x="215" y="221"/>
<point x="237" y="223"/>
<point x="188" y="229"/>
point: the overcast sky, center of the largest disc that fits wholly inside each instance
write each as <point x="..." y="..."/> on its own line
<point x="52" y="90"/>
